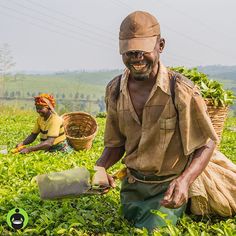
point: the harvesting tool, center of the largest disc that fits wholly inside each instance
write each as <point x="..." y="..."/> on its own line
<point x="75" y="182"/>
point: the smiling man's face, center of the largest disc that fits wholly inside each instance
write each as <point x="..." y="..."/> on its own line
<point x="143" y="64"/>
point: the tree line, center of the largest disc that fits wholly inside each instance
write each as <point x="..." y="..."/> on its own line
<point x="65" y="102"/>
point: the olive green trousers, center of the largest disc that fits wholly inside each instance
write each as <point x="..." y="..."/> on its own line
<point x="138" y="199"/>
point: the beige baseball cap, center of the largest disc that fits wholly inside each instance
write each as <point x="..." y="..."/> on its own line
<point x="138" y="31"/>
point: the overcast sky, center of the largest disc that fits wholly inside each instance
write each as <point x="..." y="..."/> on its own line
<point x="83" y="34"/>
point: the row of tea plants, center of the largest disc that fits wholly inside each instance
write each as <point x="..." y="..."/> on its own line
<point x="90" y="215"/>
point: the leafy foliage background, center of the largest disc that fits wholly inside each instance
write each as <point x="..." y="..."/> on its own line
<point x="90" y="215"/>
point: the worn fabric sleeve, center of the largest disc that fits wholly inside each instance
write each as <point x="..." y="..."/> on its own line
<point x="36" y="128"/>
<point x="195" y="125"/>
<point x="112" y="136"/>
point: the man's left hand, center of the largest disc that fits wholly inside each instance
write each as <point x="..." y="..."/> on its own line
<point x="176" y="194"/>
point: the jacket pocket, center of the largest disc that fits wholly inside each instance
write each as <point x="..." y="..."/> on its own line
<point x="167" y="129"/>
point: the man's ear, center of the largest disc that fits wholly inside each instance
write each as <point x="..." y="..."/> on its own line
<point x="161" y="44"/>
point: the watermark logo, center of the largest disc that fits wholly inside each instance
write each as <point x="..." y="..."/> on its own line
<point x="17" y="218"/>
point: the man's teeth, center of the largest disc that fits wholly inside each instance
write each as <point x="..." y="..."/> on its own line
<point x="138" y="67"/>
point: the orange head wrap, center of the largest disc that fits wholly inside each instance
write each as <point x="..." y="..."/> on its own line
<point x="45" y="100"/>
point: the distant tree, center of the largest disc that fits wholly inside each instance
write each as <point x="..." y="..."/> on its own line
<point x="65" y="107"/>
<point x="17" y="93"/>
<point x="83" y="105"/>
<point x="63" y="95"/>
<point x="12" y="94"/>
<point x="88" y="97"/>
<point x="33" y="94"/>
<point x="82" y="96"/>
<point x="28" y="94"/>
<point x="6" y="63"/>
<point x="76" y="95"/>
<point x="6" y="94"/>
<point x="101" y="104"/>
<point x="6" y="60"/>
<point x="76" y="106"/>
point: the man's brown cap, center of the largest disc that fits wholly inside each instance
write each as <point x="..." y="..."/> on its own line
<point x="138" y="31"/>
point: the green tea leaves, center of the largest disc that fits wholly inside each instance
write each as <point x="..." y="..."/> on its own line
<point x="210" y="89"/>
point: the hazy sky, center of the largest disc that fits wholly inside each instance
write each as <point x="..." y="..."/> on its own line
<point x="83" y="34"/>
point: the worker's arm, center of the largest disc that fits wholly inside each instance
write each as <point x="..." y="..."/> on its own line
<point x="177" y="193"/>
<point x="45" y="145"/>
<point x="109" y="157"/>
<point x="28" y="140"/>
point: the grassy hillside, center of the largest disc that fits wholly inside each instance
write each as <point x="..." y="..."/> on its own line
<point x="93" y="215"/>
<point x="88" y="83"/>
<point x="75" y="90"/>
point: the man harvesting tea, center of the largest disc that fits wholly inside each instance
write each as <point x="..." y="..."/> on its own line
<point x="158" y="119"/>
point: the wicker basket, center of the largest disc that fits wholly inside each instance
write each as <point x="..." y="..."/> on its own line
<point x="218" y="116"/>
<point x="80" y="129"/>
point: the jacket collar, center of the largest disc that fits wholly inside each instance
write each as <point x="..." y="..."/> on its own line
<point x="162" y="81"/>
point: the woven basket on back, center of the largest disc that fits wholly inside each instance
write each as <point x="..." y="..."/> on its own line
<point x="80" y="129"/>
<point x="218" y="116"/>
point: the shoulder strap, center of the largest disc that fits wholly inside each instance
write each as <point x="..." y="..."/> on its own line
<point x="172" y="89"/>
<point x="117" y="88"/>
<point x="113" y="90"/>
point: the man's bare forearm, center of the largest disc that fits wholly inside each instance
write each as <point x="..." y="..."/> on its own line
<point x="110" y="156"/>
<point x="199" y="162"/>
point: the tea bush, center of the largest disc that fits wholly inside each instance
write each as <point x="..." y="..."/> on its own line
<point x="90" y="215"/>
<point x="210" y="89"/>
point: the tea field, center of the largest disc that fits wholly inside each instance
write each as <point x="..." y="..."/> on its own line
<point x="88" y="215"/>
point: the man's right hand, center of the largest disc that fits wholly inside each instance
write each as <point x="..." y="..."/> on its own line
<point x="102" y="178"/>
<point x="111" y="183"/>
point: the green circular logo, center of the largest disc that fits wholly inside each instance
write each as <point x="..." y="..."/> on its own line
<point x="17" y="218"/>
